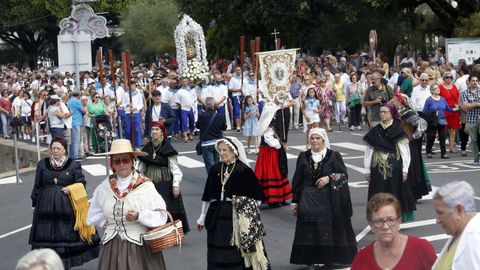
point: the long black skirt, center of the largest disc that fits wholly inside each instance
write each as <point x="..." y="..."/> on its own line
<point x="220" y="254"/>
<point x="52" y="227"/>
<point x="163" y="181"/>
<point x="320" y="236"/>
<point x="393" y="185"/>
<point x="417" y="174"/>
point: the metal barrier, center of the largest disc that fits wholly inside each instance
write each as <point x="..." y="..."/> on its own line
<point x="38" y="136"/>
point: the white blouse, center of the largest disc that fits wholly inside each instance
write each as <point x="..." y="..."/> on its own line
<point x="403" y="147"/>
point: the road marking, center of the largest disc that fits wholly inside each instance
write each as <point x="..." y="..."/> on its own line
<point x="357" y="134"/>
<point x="417" y="223"/>
<point x="355" y="157"/>
<point x="291" y="156"/>
<point x="362" y="233"/>
<point x="16" y="231"/>
<point x="189" y="162"/>
<point x="298" y="147"/>
<point x="8" y="180"/>
<point x="359" y="184"/>
<point x="186" y="152"/>
<point x="352" y="146"/>
<point x="430" y="194"/>
<point x="436" y="237"/>
<point x="95" y="169"/>
<point x="356" y="168"/>
<point x="95" y="157"/>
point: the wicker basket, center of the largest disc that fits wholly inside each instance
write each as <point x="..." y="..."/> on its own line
<point x="165" y="236"/>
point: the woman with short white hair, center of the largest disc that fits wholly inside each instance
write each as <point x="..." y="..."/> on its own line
<point x="40" y="259"/>
<point x="456" y="213"/>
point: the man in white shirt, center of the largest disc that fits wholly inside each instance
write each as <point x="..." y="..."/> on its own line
<point x="235" y="87"/>
<point x="163" y="88"/>
<point x="420" y="93"/>
<point x="185" y="99"/>
<point x="36" y="85"/>
<point x="68" y="120"/>
<point x="218" y="91"/>
<point x="449" y="68"/>
<point x="461" y="82"/>
<point x="172" y="91"/>
<point x="68" y="77"/>
<point x="86" y="79"/>
<point x="408" y="58"/>
<point x="136" y="109"/>
<point x="250" y="86"/>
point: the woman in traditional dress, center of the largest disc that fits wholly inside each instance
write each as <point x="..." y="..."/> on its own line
<point x="387" y="160"/>
<point x="271" y="166"/>
<point x="414" y="127"/>
<point x="231" y="185"/>
<point x="161" y="166"/>
<point x="53" y="215"/>
<point x="321" y="202"/>
<point x="126" y="204"/>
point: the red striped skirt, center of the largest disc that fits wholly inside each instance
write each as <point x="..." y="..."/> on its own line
<point x="276" y="188"/>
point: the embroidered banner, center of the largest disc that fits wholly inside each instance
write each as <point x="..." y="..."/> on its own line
<point x="276" y="68"/>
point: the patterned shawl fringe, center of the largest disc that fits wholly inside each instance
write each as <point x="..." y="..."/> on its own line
<point x="242" y="229"/>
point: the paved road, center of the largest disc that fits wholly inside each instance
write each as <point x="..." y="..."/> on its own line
<point x="280" y="225"/>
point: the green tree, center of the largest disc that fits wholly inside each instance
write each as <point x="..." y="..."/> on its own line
<point x="469" y="27"/>
<point x="149" y="27"/>
<point x="30" y="27"/>
<point x="315" y="24"/>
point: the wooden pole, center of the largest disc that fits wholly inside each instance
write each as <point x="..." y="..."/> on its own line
<point x="278" y="43"/>
<point x="112" y="73"/>
<point x="252" y="54"/>
<point x="100" y="67"/>
<point x="129" y="78"/>
<point x="253" y="60"/>
<point x="118" y="120"/>
<point x="257" y="50"/>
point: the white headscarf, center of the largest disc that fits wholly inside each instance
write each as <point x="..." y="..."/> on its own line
<point x="268" y="113"/>
<point x="236" y="146"/>
<point x="322" y="133"/>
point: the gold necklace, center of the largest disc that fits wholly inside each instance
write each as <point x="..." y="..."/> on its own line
<point x="155" y="149"/>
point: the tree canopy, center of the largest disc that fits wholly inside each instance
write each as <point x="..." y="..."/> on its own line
<point x="149" y="27"/>
<point x="30" y="27"/>
<point x="315" y="24"/>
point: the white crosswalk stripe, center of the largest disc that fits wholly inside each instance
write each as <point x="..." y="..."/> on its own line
<point x="349" y="145"/>
<point x="189" y="162"/>
<point x="95" y="169"/>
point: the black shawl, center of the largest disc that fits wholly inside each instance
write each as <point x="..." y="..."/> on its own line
<point x="385" y="140"/>
<point x="242" y="182"/>
<point x="162" y="154"/>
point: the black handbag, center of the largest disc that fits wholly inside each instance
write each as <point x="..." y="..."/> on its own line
<point x="198" y="147"/>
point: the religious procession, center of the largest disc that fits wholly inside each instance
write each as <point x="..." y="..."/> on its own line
<point x="276" y="158"/>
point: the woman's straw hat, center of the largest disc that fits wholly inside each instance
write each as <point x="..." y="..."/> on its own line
<point x="123" y="146"/>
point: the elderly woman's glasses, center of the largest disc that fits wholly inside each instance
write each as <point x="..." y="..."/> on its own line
<point x="124" y="161"/>
<point x="379" y="223"/>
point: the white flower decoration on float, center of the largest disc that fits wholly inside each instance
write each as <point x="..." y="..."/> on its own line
<point x="188" y="26"/>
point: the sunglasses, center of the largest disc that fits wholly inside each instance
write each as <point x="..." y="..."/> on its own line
<point x="124" y="161"/>
<point x="448" y="77"/>
<point x="97" y="97"/>
<point x="424" y="80"/>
